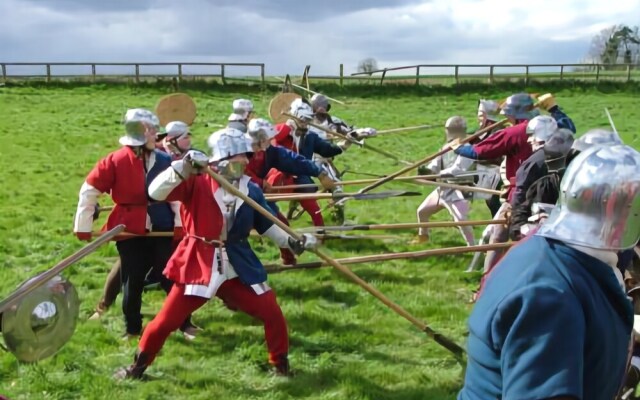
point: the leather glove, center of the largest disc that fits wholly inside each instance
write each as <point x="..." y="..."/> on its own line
<point x="191" y="164"/>
<point x="326" y="182"/>
<point x="96" y="212"/>
<point x="455" y="143"/>
<point x="547" y="101"/>
<point x="84" y="236"/>
<point x="424" y="170"/>
<point x="366" y="132"/>
<point x="308" y="242"/>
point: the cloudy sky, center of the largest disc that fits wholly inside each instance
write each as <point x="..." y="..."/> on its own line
<point x="288" y="34"/>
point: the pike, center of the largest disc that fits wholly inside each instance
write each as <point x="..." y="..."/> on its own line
<point x="404" y="129"/>
<point x="47" y="275"/>
<point x="408" y="225"/>
<point x="323" y="236"/>
<point x="338" y="195"/>
<point x="274" y="268"/>
<point x="439" y="338"/>
<point x="348" y="138"/>
<point x="363" y="181"/>
<point x="310" y="91"/>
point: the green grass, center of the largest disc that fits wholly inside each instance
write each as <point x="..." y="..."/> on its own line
<point x="344" y="343"/>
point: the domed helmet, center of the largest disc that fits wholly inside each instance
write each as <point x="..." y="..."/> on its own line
<point x="593" y="137"/>
<point x="520" y="107"/>
<point x="177" y="137"/>
<point x="226" y="144"/>
<point x="599" y="204"/>
<point x="137" y="122"/>
<point x="242" y="109"/>
<point x="320" y="103"/>
<point x="540" y="129"/>
<point x="556" y="148"/>
<point x="488" y="110"/>
<point x="455" y="128"/>
<point x="260" y="132"/>
<point x="303" y="112"/>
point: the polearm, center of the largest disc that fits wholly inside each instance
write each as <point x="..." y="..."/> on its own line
<point x="347" y="138"/>
<point x="274" y="268"/>
<point x="425" y="160"/>
<point x="408" y="225"/>
<point x="442" y="340"/>
<point x="46" y="276"/>
<point x="310" y="91"/>
<point x="371" y="180"/>
<point x="408" y="128"/>
<point x="323" y="236"/>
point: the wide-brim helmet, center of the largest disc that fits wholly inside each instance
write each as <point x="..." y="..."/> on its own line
<point x="136" y="122"/>
<point x="228" y="142"/>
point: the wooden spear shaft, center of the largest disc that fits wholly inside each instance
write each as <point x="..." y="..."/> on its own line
<point x="408" y="225"/>
<point x="438" y="337"/>
<point x="354" y="182"/>
<point x="408" y="128"/>
<point x="425" y="160"/>
<point x="274" y="268"/>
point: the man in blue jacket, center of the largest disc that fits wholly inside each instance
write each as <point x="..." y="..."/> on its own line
<point x="553" y="321"/>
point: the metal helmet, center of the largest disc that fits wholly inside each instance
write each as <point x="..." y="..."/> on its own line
<point x="302" y="110"/>
<point x="42" y="322"/>
<point x="176" y="129"/>
<point x="599" y="203"/>
<point x="596" y="137"/>
<point x="519" y="106"/>
<point x="558" y="144"/>
<point x="228" y="142"/>
<point x="320" y="101"/>
<point x="540" y="128"/>
<point x="136" y="122"/>
<point x="260" y="130"/>
<point x="488" y="109"/>
<point x="455" y="127"/>
<point x="241" y="110"/>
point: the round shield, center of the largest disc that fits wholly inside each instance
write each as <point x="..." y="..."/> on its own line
<point x="176" y="107"/>
<point x="279" y="104"/>
<point x="41" y="323"/>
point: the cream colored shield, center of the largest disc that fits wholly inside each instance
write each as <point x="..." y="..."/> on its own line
<point x="41" y="323"/>
<point x="279" y="104"/>
<point x="176" y="107"/>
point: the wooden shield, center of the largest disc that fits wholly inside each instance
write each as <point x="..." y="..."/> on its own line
<point x="176" y="107"/>
<point x="279" y="104"/>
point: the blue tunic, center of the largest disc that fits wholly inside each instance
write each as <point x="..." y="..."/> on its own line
<point x="552" y="321"/>
<point x="160" y="213"/>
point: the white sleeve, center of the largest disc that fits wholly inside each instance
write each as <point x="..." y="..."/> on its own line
<point x="434" y="165"/>
<point x="278" y="235"/>
<point x="165" y="182"/>
<point x="87" y="201"/>
<point x="460" y="165"/>
<point x="175" y="207"/>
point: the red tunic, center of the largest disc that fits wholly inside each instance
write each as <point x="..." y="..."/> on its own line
<point x="201" y="216"/>
<point x="122" y="174"/>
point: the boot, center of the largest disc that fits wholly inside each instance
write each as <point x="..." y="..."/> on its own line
<point x="420" y="239"/>
<point x="281" y="367"/>
<point x="135" y="370"/>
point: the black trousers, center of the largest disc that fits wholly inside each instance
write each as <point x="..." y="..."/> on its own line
<point x="138" y="256"/>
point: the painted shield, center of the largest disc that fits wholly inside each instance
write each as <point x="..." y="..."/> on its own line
<point x="40" y="324"/>
<point x="279" y="104"/>
<point x="176" y="107"/>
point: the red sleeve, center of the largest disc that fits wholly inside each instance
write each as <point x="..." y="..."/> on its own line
<point x="183" y="191"/>
<point x="496" y="145"/>
<point x="103" y="175"/>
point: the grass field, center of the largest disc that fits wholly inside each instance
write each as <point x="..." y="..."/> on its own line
<point x="344" y="343"/>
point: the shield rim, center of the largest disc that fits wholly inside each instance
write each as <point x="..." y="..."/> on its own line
<point x="176" y="107"/>
<point x="281" y="103"/>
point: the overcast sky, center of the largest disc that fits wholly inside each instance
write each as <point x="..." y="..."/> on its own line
<point x="288" y="34"/>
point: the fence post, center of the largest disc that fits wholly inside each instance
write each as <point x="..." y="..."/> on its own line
<point x="417" y="75"/>
<point x="628" y="73"/>
<point x="222" y="74"/>
<point x="262" y="74"/>
<point x="180" y="71"/>
<point x="4" y="73"/>
<point x="457" y="67"/>
<point x="48" y="73"/>
<point x="341" y="75"/>
<point x="526" y="75"/>
<point x="597" y="73"/>
<point x="93" y="72"/>
<point x="561" y="72"/>
<point x="491" y="74"/>
<point x="137" y="73"/>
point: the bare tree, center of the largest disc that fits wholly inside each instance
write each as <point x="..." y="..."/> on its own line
<point x="368" y="65"/>
<point x="600" y="44"/>
<point x="616" y="44"/>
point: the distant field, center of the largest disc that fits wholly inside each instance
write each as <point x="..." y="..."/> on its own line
<point x="344" y="343"/>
